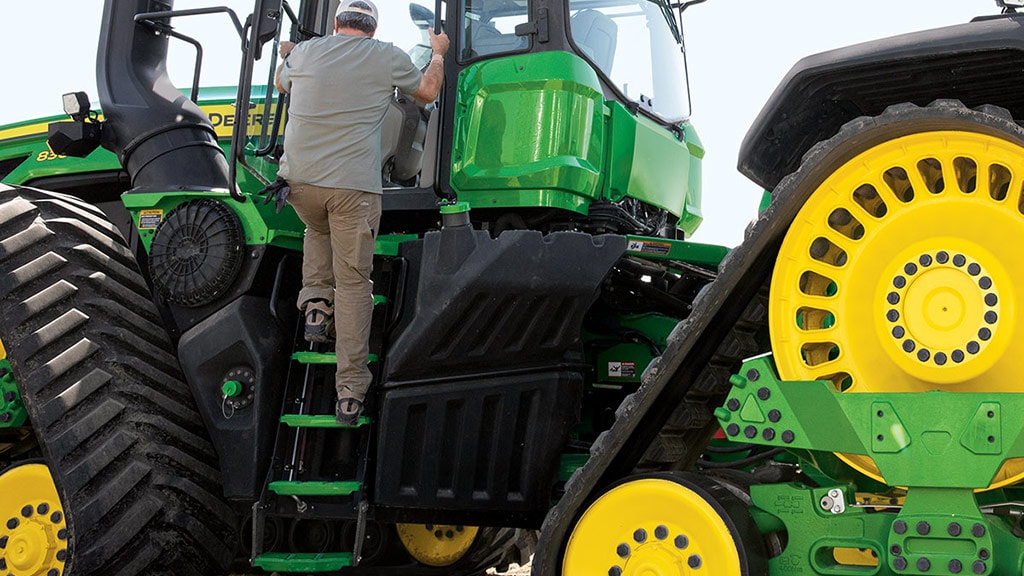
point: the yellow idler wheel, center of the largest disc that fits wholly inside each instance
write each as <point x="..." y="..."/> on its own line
<point x="436" y="544"/>
<point x="33" y="533"/>
<point x="665" y="525"/>
<point x="901" y="272"/>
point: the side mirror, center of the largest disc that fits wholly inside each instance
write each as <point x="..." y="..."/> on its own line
<point x="422" y="16"/>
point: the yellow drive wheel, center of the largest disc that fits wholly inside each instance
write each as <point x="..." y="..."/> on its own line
<point x="33" y="533"/>
<point x="436" y="544"/>
<point x="901" y="273"/>
<point x="665" y="525"/>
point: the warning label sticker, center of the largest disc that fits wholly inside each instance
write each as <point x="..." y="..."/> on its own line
<point x="622" y="369"/>
<point x="649" y="247"/>
<point x="150" y="219"/>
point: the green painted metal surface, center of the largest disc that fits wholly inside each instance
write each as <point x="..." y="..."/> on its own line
<point x="323" y="358"/>
<point x="295" y="562"/>
<point x="649" y="163"/>
<point x="900" y="431"/>
<point x="292" y="488"/>
<point x="318" y="421"/>
<point x="529" y="131"/>
<point x="625" y="360"/>
<point x="388" y="244"/>
<point x="939" y="445"/>
<point x="12" y="409"/>
<point x="260" y="222"/>
<point x="706" y="255"/>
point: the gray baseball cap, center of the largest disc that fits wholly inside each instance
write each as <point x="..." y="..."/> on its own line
<point x="347" y="6"/>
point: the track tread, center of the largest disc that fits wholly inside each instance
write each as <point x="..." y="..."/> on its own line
<point x="116" y="422"/>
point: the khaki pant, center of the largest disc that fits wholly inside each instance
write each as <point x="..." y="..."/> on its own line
<point x="341" y="226"/>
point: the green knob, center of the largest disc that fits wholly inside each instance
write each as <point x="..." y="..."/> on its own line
<point x="231" y="388"/>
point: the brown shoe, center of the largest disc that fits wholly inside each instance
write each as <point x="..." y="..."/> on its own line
<point x="348" y="411"/>
<point x="319" y="321"/>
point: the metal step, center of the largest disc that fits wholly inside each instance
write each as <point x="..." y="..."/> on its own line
<point x="318" y="421"/>
<point x="296" y="562"/>
<point x="323" y="358"/>
<point x="296" y="488"/>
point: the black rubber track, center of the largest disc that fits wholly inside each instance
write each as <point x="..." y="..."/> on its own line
<point x="116" y="423"/>
<point x="667" y="423"/>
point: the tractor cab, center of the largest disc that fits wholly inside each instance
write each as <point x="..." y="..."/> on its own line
<point x="537" y="102"/>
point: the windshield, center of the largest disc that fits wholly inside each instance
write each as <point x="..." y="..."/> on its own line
<point x="633" y="42"/>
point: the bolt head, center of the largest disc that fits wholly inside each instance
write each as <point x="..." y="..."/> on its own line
<point x="978" y="530"/>
<point x="924" y="564"/>
<point x="923" y="528"/>
<point x="899" y="527"/>
<point x="954" y="529"/>
<point x="955" y="566"/>
<point x="899" y="563"/>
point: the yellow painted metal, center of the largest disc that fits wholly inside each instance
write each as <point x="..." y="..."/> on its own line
<point x="32" y="522"/>
<point x="436" y="544"/>
<point x="897" y="274"/>
<point x="651" y="527"/>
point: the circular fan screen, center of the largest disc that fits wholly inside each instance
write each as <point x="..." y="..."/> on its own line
<point x="196" y="252"/>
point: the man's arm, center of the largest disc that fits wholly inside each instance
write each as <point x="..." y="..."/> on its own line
<point x="433" y="77"/>
<point x="285" y="49"/>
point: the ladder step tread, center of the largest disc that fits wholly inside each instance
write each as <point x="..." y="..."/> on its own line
<point x="295" y="488"/>
<point x="323" y="358"/>
<point x="296" y="562"/>
<point x="318" y="421"/>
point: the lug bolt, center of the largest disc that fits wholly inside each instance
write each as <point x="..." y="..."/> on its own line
<point x="955" y="566"/>
<point x="694" y="561"/>
<point x="892" y="315"/>
<point x="9" y="396"/>
<point x="640" y="535"/>
<point x="978" y="530"/>
<point x="750" y="432"/>
<point x="978" y="567"/>
<point x="733" y="404"/>
<point x="942" y="256"/>
<point x="899" y="563"/>
<point x="899" y="527"/>
<point x="56" y="517"/>
<point x="910" y="268"/>
<point x="892" y="298"/>
<point x="62" y="534"/>
<point x="896" y="550"/>
<point x="12" y="523"/>
<point x="53" y="572"/>
<point x="923" y="528"/>
<point x="958" y="356"/>
<point x="985" y="282"/>
<point x="764" y="393"/>
<point x="774" y="415"/>
<point x="899" y="281"/>
<point x="898" y="332"/>
<point x="923" y="564"/>
<point x="909" y="345"/>
<point x="622" y="550"/>
<point x="983" y="554"/>
<point x="753" y="375"/>
<point x="3" y="542"/>
<point x="661" y="532"/>
<point x="615" y="571"/>
<point x="974" y="269"/>
<point x="732" y="429"/>
<point x="62" y="555"/>
<point x="6" y="417"/>
<point x="682" y="542"/>
<point x="43" y="508"/>
<point x="26" y="511"/>
<point x="953" y="529"/>
<point x="959" y="260"/>
<point x="788" y="437"/>
<point x="768" y="434"/>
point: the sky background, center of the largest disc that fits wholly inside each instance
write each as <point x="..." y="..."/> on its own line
<point x="738" y="51"/>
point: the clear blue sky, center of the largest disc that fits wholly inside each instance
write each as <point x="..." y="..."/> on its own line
<point x="738" y="51"/>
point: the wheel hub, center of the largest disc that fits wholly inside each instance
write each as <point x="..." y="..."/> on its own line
<point x="664" y="554"/>
<point x="33" y="533"/>
<point x="942" y="310"/>
<point x="436" y="544"/>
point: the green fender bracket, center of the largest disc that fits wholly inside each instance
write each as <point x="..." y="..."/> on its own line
<point x="12" y="410"/>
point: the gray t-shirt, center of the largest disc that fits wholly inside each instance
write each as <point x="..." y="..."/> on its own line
<point x="340" y="87"/>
